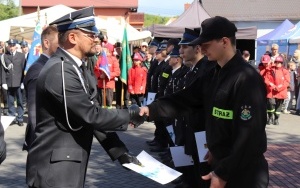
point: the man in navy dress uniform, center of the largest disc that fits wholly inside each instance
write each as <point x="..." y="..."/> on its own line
<point x="66" y="114"/>
<point x="15" y="62"/>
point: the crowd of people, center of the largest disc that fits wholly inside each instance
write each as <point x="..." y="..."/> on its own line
<point x="201" y="83"/>
<point x="281" y="76"/>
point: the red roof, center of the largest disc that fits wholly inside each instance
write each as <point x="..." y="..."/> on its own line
<point x="83" y="3"/>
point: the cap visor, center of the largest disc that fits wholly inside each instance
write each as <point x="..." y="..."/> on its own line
<point x="184" y="42"/>
<point x="198" y="41"/>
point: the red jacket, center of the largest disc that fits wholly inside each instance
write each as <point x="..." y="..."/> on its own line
<point x="137" y="77"/>
<point x="114" y="69"/>
<point x="277" y="80"/>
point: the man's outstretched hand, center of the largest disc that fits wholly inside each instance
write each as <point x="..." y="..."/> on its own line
<point x="215" y="181"/>
<point x="144" y="111"/>
<point x="135" y="118"/>
<point x="127" y="158"/>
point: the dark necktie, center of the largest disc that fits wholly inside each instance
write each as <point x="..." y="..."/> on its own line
<point x="83" y="70"/>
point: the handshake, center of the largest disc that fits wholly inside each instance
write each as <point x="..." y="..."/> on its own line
<point x="135" y="118"/>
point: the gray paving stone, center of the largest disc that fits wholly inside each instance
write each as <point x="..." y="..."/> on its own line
<point x="104" y="173"/>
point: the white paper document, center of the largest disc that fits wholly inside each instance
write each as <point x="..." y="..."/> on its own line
<point x="150" y="98"/>
<point x="6" y="121"/>
<point x="201" y="145"/>
<point x="171" y="133"/>
<point x="180" y="158"/>
<point x="153" y="169"/>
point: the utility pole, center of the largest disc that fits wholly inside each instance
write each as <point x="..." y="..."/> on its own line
<point x="20" y="8"/>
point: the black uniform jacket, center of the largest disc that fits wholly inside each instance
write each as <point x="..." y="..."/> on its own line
<point x="14" y="76"/>
<point x="234" y="99"/>
<point x="58" y="156"/>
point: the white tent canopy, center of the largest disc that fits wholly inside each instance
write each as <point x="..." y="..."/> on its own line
<point x="22" y="27"/>
<point x="114" y="28"/>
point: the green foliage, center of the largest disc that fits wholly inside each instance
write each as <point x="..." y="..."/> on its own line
<point x="154" y="19"/>
<point x="8" y="9"/>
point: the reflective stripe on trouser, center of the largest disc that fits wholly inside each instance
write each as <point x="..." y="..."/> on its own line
<point x="278" y="106"/>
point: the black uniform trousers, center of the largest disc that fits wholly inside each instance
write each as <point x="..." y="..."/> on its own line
<point x="274" y="106"/>
<point x="15" y="92"/>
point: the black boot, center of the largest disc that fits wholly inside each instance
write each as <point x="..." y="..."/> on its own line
<point x="270" y="120"/>
<point x="276" y="122"/>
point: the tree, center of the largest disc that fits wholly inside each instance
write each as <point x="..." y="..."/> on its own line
<point x="153" y="19"/>
<point x="8" y="9"/>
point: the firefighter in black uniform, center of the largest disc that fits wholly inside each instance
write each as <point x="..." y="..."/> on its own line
<point x="154" y="44"/>
<point x="178" y="72"/>
<point x="235" y="110"/>
<point x="158" y="83"/>
<point x="193" y="121"/>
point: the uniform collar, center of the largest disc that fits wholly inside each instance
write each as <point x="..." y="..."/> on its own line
<point x="168" y="57"/>
<point x="234" y="61"/>
<point x="174" y="70"/>
<point x="198" y="64"/>
<point x="46" y="55"/>
<point x="76" y="59"/>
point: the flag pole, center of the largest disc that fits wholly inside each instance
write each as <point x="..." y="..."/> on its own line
<point x="122" y="95"/>
<point x="104" y="94"/>
<point x="126" y="62"/>
<point x="38" y="13"/>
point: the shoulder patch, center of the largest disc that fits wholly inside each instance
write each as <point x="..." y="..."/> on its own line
<point x="245" y="113"/>
<point x="165" y="75"/>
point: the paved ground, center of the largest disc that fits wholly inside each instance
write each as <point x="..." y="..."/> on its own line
<point x="283" y="155"/>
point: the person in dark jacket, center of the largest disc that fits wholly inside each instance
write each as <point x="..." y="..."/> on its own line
<point x="66" y="114"/>
<point x="159" y="81"/>
<point x="194" y="121"/>
<point x="15" y="62"/>
<point x="3" y="71"/>
<point x="2" y="142"/>
<point x="153" y="64"/>
<point x="234" y="107"/>
<point x="49" y="38"/>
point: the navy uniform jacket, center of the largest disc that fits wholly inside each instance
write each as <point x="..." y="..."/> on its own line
<point x="164" y="77"/>
<point x="195" y="121"/>
<point x="3" y="70"/>
<point x="14" y="77"/>
<point x="173" y="82"/>
<point x="153" y="65"/>
<point x="235" y="119"/>
<point x="30" y="88"/>
<point x="172" y="87"/>
<point x="2" y="143"/>
<point x="58" y="156"/>
<point x="109" y="141"/>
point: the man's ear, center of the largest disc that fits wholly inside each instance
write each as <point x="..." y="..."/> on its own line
<point x="46" y="44"/>
<point x="72" y="37"/>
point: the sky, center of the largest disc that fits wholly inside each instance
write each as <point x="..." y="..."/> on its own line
<point x="162" y="7"/>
